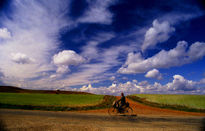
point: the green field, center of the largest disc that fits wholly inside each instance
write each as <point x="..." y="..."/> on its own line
<point x="50" y="99"/>
<point x="192" y="101"/>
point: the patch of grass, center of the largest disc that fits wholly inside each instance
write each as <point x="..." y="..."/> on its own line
<point x="49" y="99"/>
<point x="64" y="102"/>
<point x="192" y="101"/>
<point x="176" y="102"/>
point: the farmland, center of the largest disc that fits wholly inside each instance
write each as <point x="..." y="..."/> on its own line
<point x="49" y="99"/>
<point x="86" y="108"/>
<point x="191" y="101"/>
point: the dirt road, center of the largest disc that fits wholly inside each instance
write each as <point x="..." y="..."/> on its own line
<point x="147" y="119"/>
<point x="141" y="109"/>
<point x="21" y="120"/>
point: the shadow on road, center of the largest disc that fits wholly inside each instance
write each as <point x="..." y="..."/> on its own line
<point x="2" y="126"/>
<point x="203" y="125"/>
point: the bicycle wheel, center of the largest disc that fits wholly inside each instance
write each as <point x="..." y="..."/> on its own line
<point x="112" y="111"/>
<point x="128" y="111"/>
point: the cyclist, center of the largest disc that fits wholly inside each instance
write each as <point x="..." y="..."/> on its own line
<point x="122" y="102"/>
<point x="120" y="106"/>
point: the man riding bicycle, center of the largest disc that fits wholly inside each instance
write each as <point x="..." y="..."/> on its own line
<point x="122" y="102"/>
<point x="120" y="106"/>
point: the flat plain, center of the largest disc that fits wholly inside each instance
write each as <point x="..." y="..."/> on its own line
<point x="145" y="118"/>
<point x="50" y="99"/>
<point x="192" y="101"/>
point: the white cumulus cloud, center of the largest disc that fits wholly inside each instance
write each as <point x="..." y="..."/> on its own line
<point x="177" y="86"/>
<point x="114" y="89"/>
<point x="177" y="56"/>
<point x="154" y="73"/>
<point x="4" y="33"/>
<point x="66" y="58"/>
<point x="180" y="83"/>
<point x="158" y="33"/>
<point x="62" y="69"/>
<point x="21" y="58"/>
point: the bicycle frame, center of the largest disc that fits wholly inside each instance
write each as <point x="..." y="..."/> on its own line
<point x="116" y="108"/>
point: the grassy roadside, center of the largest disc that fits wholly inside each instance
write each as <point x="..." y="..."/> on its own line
<point x="192" y="101"/>
<point x="166" y="106"/>
<point x="106" y="102"/>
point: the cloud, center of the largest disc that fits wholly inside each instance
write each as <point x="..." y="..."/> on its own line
<point x="21" y="58"/>
<point x="124" y="78"/>
<point x="177" y="56"/>
<point x="154" y="73"/>
<point x="4" y="33"/>
<point x="104" y="60"/>
<point x="180" y="83"/>
<point x="134" y="81"/>
<point x="177" y="86"/>
<point x="196" y="51"/>
<point x="90" y="50"/>
<point x="1" y="74"/>
<point x="98" y="12"/>
<point x="66" y="58"/>
<point x="93" y="72"/>
<point x="129" y="87"/>
<point x="202" y="81"/>
<point x="158" y="33"/>
<point x="103" y="37"/>
<point x="112" y="78"/>
<point x="34" y="26"/>
<point x="1" y="78"/>
<point x="133" y="58"/>
<point x="30" y="25"/>
<point x="114" y="89"/>
<point x="53" y="76"/>
<point x="62" y="69"/>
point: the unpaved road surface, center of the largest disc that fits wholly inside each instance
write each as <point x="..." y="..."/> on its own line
<point x="21" y="120"/>
<point x="147" y="119"/>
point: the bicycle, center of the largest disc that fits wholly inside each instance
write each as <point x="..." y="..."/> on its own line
<point x="124" y="110"/>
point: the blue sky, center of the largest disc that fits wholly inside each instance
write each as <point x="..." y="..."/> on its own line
<point x="104" y="47"/>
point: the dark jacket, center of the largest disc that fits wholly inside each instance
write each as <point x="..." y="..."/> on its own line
<point x="123" y="102"/>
